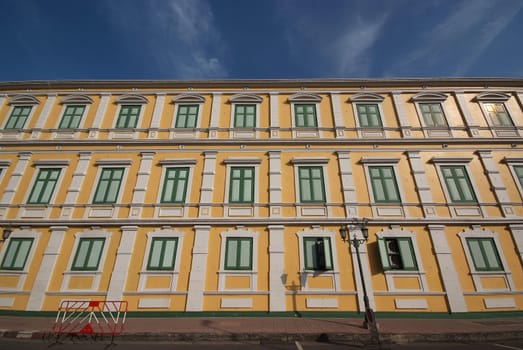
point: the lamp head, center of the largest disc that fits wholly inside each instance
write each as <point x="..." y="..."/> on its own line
<point x="6" y="233"/>
<point x="344" y="232"/>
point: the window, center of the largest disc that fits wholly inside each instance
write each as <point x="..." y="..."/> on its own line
<point x="384" y="185"/>
<point x="163" y="253"/>
<point x="18" y="117"/>
<point x="175" y="185"/>
<point x="369" y="115"/>
<point x="44" y="186"/>
<point x="108" y="186"/>
<point x="498" y="114"/>
<point x="72" y="117"/>
<point x="518" y="170"/>
<point x="433" y="115"/>
<point x="305" y="115"/>
<point x="484" y="254"/>
<point x="397" y="253"/>
<point x="458" y="184"/>
<point x="187" y="116"/>
<point x="238" y="253"/>
<point x="312" y="185"/>
<point x="17" y="253"/>
<point x="241" y="189"/>
<point x="245" y="116"/>
<point x="128" y="116"/>
<point x="88" y="254"/>
<point x="318" y="253"/>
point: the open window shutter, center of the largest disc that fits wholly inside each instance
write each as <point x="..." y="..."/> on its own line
<point x="407" y="254"/>
<point x="383" y="254"/>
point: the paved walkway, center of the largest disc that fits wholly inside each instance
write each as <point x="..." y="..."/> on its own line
<point x="287" y="329"/>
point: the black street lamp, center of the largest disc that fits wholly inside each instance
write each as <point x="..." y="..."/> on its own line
<point x="6" y="233"/>
<point x="370" y="320"/>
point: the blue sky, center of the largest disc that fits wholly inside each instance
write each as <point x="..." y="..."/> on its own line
<point x="262" y="39"/>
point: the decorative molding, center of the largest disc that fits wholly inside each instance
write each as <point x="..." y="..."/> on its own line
<point x="23" y="100"/>
<point x="366" y="97"/>
<point x="304" y="97"/>
<point x="492" y="96"/>
<point x="429" y="97"/>
<point x="242" y="98"/>
<point x="70" y="99"/>
<point x="131" y="98"/>
<point x="188" y="98"/>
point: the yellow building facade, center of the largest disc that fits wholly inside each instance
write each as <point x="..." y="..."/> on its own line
<point x="214" y="196"/>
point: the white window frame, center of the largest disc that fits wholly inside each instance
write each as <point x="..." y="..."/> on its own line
<point x="311" y="209"/>
<point x="305" y="98"/>
<point x="68" y="101"/>
<point x="458" y="209"/>
<point x="252" y="274"/>
<point x="433" y="97"/>
<point x="95" y="275"/>
<point x="244" y="133"/>
<point x="181" y="100"/>
<point x="512" y="162"/>
<point x="384" y="209"/>
<point x="128" y="133"/>
<point x="497" y="97"/>
<point x="334" y="274"/>
<point x="174" y="209"/>
<point x="4" y="165"/>
<point x="22" y="274"/>
<point x="18" y="101"/>
<point x="365" y="99"/>
<point x="390" y="275"/>
<point x="241" y="209"/>
<point x="477" y="232"/>
<point x="173" y="274"/>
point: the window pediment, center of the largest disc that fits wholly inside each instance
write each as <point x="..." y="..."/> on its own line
<point x="305" y="97"/>
<point x="188" y="98"/>
<point x="131" y="98"/>
<point x="23" y="100"/>
<point x="456" y="160"/>
<point x="429" y="96"/>
<point x="379" y="160"/>
<point x="250" y="98"/>
<point x="492" y="96"/>
<point x="83" y="99"/>
<point x="304" y="161"/>
<point x="366" y="97"/>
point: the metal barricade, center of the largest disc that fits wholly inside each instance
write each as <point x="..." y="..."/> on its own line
<point x="90" y="317"/>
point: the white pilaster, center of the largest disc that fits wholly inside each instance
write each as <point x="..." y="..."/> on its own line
<point x="336" y="111"/>
<point x="157" y="115"/>
<point x="517" y="235"/>
<point x="347" y="184"/>
<point x="100" y="112"/>
<point x="215" y="115"/>
<point x="121" y="265"/>
<point x="76" y="183"/>
<point x="44" y="115"/>
<point x="473" y="127"/>
<point x="14" y="182"/>
<point x="141" y="184"/>
<point x="276" y="269"/>
<point x="366" y="272"/>
<point x="209" y="165"/>
<point x="275" y="121"/>
<point x="45" y="271"/>
<point x="198" y="268"/>
<point x="275" y="183"/>
<point x="447" y="270"/>
<point x="519" y="96"/>
<point x="496" y="182"/>
<point x="422" y="184"/>
<point x="402" y="117"/>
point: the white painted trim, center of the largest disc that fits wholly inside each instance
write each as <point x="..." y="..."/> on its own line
<point x="58" y="133"/>
<point x="244" y="133"/>
<point x="159" y="207"/>
<point x="512" y="162"/>
<point x="123" y="133"/>
<point x="411" y="303"/>
<point x="196" y="285"/>
<point x="498" y="303"/>
<point x="100" y="113"/>
<point x="498" y="131"/>
<point x="153" y="303"/>
<point x="369" y="131"/>
<point x="305" y="98"/>
<point x="230" y="163"/>
<point x="38" y="165"/>
<point x="319" y="162"/>
<point x="14" y="181"/>
<point x="235" y="303"/>
<point x="16" y="133"/>
<point x="23" y="99"/>
<point x="434" y="131"/>
<point x="186" y="132"/>
<point x="326" y="303"/>
<point x="76" y="99"/>
<point x="402" y="116"/>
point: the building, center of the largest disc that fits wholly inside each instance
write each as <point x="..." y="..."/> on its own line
<point x="229" y="195"/>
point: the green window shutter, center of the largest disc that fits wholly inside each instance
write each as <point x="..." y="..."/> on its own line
<point x="17" y="253"/>
<point x="88" y="254"/>
<point x="384" y="185"/>
<point x="318" y="253"/>
<point x="305" y="115"/>
<point x="241" y="187"/>
<point x="519" y="173"/>
<point x="245" y="116"/>
<point x="128" y="117"/>
<point x="312" y="185"/>
<point x="238" y="253"/>
<point x="187" y="116"/>
<point x="108" y="186"/>
<point x="369" y="115"/>
<point x="498" y="114"/>
<point x="44" y="186"/>
<point x="72" y="117"/>
<point x="408" y="258"/>
<point x="163" y="253"/>
<point x="18" y="117"/>
<point x="484" y="254"/>
<point x="384" y="256"/>
<point x="458" y="184"/>
<point x="397" y="254"/>
<point x="433" y="114"/>
<point x="175" y="185"/>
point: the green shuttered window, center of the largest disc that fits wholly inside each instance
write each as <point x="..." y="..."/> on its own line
<point x="433" y="114"/>
<point x="187" y="116"/>
<point x="498" y="114"/>
<point x="305" y="115"/>
<point x="458" y="184"/>
<point x="384" y="185"/>
<point x="18" y="117"/>
<point x="241" y="185"/>
<point x="238" y="253"/>
<point x="369" y="115"/>
<point x="318" y="253"/>
<point x="44" y="186"/>
<point x="484" y="254"/>
<point x="88" y="254"/>
<point x="175" y="185"/>
<point x="245" y="116"/>
<point x="163" y="253"/>
<point x="17" y="253"/>
<point x="72" y="117"/>
<point x="312" y="185"/>
<point x="397" y="254"/>
<point x="108" y="186"/>
<point x="128" y="117"/>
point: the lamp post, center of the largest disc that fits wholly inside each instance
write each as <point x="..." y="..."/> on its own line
<point x="370" y="320"/>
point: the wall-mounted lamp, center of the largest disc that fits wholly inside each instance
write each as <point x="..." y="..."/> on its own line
<point x="6" y="233"/>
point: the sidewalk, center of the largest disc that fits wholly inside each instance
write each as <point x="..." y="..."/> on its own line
<point x="288" y="329"/>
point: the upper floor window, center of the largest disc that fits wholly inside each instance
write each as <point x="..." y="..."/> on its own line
<point x="88" y="254"/>
<point x="458" y="183"/>
<point x="17" y="253"/>
<point x="175" y="185"/>
<point x="72" y="116"/>
<point x="497" y="113"/>
<point x="367" y="108"/>
<point x="495" y="108"/>
<point x="433" y="115"/>
<point x="18" y="117"/>
<point x="317" y="253"/>
<point x="108" y="186"/>
<point x="245" y="116"/>
<point x="187" y="116"/>
<point x="397" y="253"/>
<point x="305" y="115"/>
<point x="44" y="185"/>
<point x="238" y="253"/>
<point x="162" y="253"/>
<point x="241" y="188"/>
<point x="128" y="116"/>
<point x="484" y="254"/>
<point x="384" y="184"/>
<point x="311" y="184"/>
